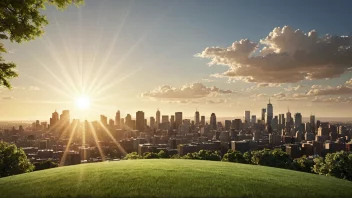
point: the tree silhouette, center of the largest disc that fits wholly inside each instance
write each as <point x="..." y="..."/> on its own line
<point x="21" y="20"/>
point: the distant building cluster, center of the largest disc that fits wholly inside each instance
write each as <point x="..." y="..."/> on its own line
<point x="69" y="142"/>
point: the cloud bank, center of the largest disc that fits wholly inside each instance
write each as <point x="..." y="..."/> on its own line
<point x="194" y="90"/>
<point x="284" y="56"/>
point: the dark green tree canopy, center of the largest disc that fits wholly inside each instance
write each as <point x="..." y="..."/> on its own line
<point x="21" y="20"/>
<point x="13" y="160"/>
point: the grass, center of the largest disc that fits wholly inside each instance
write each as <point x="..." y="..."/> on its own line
<point x="171" y="178"/>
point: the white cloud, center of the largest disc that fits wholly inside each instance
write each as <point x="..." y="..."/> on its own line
<point x="295" y="88"/>
<point x="207" y="80"/>
<point x="194" y="90"/>
<point x="349" y="82"/>
<point x="288" y="56"/>
<point x="339" y="90"/>
<point x="333" y="99"/>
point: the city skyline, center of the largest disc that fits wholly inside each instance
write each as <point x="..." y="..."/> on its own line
<point x="98" y="58"/>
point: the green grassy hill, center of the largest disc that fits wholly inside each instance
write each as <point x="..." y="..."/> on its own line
<point x="171" y="178"/>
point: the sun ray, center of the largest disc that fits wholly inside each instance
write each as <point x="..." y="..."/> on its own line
<point x="67" y="149"/>
<point x="110" y="49"/>
<point x="66" y="49"/>
<point x="49" y="46"/>
<point x="53" y="75"/>
<point x="118" y="81"/>
<point x="48" y="85"/>
<point x="121" y="149"/>
<point x="96" y="141"/>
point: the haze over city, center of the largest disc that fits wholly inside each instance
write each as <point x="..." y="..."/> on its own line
<point x="149" y="55"/>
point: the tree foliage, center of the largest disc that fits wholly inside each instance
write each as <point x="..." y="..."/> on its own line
<point x="234" y="156"/>
<point x="303" y="164"/>
<point x="274" y="158"/>
<point x="132" y="156"/>
<point x="150" y="155"/>
<point x="44" y="165"/>
<point x="337" y="164"/>
<point x="21" y="20"/>
<point x="13" y="160"/>
<point x="204" y="155"/>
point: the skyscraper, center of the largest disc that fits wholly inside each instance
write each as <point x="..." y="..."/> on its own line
<point x="104" y="120"/>
<point x="128" y="121"/>
<point x="213" y="121"/>
<point x="312" y="123"/>
<point x="164" y="118"/>
<point x="298" y="120"/>
<point x="172" y="121"/>
<point x="247" y="117"/>
<point x="157" y="118"/>
<point x="140" y="120"/>
<point x="54" y="119"/>
<point x="270" y="113"/>
<point x="202" y="120"/>
<point x="152" y="123"/>
<point x="196" y="118"/>
<point x="178" y="119"/>
<point x="288" y="119"/>
<point x="254" y="119"/>
<point x="263" y="114"/>
<point x="117" y="119"/>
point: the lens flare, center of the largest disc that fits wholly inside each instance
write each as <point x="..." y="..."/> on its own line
<point x="83" y="102"/>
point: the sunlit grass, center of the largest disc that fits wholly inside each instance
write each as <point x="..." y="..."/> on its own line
<point x="171" y="178"/>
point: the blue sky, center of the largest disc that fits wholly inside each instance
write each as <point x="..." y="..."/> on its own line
<point x="155" y="45"/>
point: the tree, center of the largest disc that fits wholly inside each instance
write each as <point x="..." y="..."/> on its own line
<point x="303" y="164"/>
<point x="13" y="160"/>
<point x="44" y="165"/>
<point x="274" y="158"/>
<point x="150" y="155"/>
<point x="234" y="156"/>
<point x="337" y="164"/>
<point x="163" y="154"/>
<point x="21" y="20"/>
<point x="204" y="155"/>
<point x="132" y="156"/>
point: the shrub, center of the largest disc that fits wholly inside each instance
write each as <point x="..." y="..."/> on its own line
<point x="13" y="160"/>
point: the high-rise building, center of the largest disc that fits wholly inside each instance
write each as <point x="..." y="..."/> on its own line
<point x="274" y="123"/>
<point x="288" y="119"/>
<point x="164" y="118"/>
<point x="263" y="114"/>
<point x="213" y="121"/>
<point x="312" y="123"/>
<point x="117" y="119"/>
<point x="65" y="119"/>
<point x="202" y="120"/>
<point x="172" y="121"/>
<point x="152" y="123"/>
<point x="236" y="124"/>
<point x="196" y="118"/>
<point x="247" y="117"/>
<point x="178" y="119"/>
<point x="227" y="124"/>
<point x="270" y="113"/>
<point x="111" y="123"/>
<point x="157" y="118"/>
<point x="128" y="121"/>
<point x="254" y="119"/>
<point x="140" y="122"/>
<point x="54" y="119"/>
<point x="298" y="120"/>
<point x="281" y="121"/>
<point x="104" y="120"/>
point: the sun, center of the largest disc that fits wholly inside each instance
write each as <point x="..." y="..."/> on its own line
<point x="82" y="102"/>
